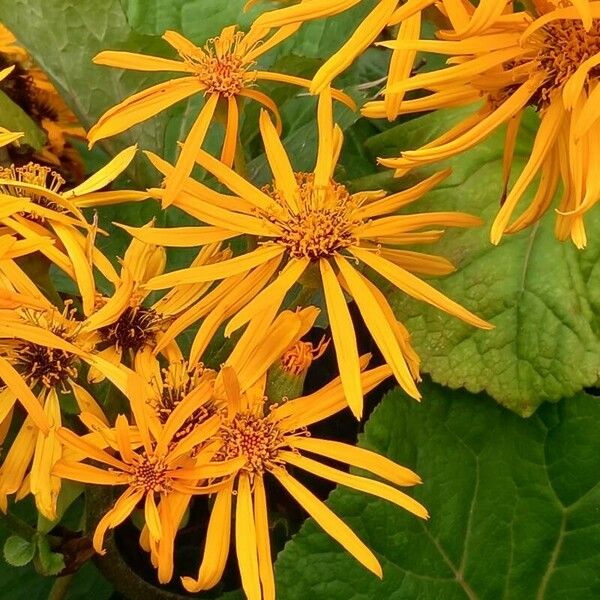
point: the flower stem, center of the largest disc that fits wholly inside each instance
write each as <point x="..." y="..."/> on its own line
<point x="60" y="587"/>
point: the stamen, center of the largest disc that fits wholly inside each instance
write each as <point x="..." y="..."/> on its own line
<point x="256" y="438"/>
<point x="150" y="474"/>
<point x="35" y="174"/>
<point x="221" y="67"/>
<point x="324" y="224"/>
<point x="134" y="329"/>
<point x="563" y="46"/>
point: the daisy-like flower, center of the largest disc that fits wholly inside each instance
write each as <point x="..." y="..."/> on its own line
<point x="124" y="323"/>
<point x="386" y="13"/>
<point x="310" y="222"/>
<point x="547" y="60"/>
<point x="42" y="351"/>
<point x="269" y="438"/>
<point x="224" y="71"/>
<point x="182" y="381"/>
<point x="34" y="204"/>
<point x="155" y="467"/>
<point x="9" y="46"/>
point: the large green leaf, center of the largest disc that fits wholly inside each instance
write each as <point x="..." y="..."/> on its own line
<point x="513" y="503"/>
<point x="539" y="293"/>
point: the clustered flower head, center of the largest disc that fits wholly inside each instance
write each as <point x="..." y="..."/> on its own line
<point x="188" y="428"/>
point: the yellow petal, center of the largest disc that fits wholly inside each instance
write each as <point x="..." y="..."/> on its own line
<point x="279" y="162"/>
<point x="193" y="142"/>
<point x="216" y="548"/>
<point x="357" y="457"/>
<point x="263" y="544"/>
<point x="152" y="517"/>
<point x="273" y="294"/>
<point x="344" y="338"/>
<point x="139" y="62"/>
<point x="76" y="471"/>
<point x="11" y="378"/>
<point x="360" y="40"/>
<point x="330" y="522"/>
<point x="323" y="167"/>
<point x="245" y="539"/>
<point x="231" y="132"/>
<point x="221" y="270"/>
<point x="417" y="288"/>
<point x="379" y="326"/>
<point x="362" y="484"/>
<point x="142" y="106"/>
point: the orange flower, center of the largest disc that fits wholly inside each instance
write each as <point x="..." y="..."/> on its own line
<point x="223" y="71"/>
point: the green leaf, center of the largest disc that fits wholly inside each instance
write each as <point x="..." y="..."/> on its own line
<point x="14" y="118"/>
<point x="513" y="504"/>
<point x="541" y="295"/>
<point x="47" y="562"/>
<point x="17" y="551"/>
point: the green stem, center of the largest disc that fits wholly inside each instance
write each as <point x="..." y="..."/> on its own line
<point x="60" y="587"/>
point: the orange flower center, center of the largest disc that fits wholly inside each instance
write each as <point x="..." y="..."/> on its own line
<point x="324" y="224"/>
<point x="134" y="329"/>
<point x="221" y="68"/>
<point x="566" y="45"/>
<point x="255" y="438"/>
<point x="150" y="474"/>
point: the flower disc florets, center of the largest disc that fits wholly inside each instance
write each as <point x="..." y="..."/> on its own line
<point x="255" y="438"/>
<point x="150" y="474"/>
<point x="221" y="67"/>
<point x="564" y="46"/>
<point x="135" y="328"/>
<point x="324" y="223"/>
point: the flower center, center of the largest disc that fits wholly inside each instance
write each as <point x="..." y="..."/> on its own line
<point x="221" y="68"/>
<point x="134" y="329"/>
<point x="150" y="474"/>
<point x="33" y="174"/>
<point x="255" y="438"/>
<point x="565" y="47"/>
<point x="324" y="224"/>
<point x="178" y="380"/>
<point x="48" y="366"/>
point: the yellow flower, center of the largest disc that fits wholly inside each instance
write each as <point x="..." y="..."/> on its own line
<point x="386" y="13"/>
<point x="33" y="205"/>
<point x="308" y="221"/>
<point x="181" y="381"/>
<point x="269" y="438"/>
<point x="124" y="325"/>
<point x="153" y="465"/>
<point x="223" y="71"/>
<point x="547" y="61"/>
<point x="41" y="352"/>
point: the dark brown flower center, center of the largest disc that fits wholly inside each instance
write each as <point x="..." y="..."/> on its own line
<point x="134" y="329"/>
